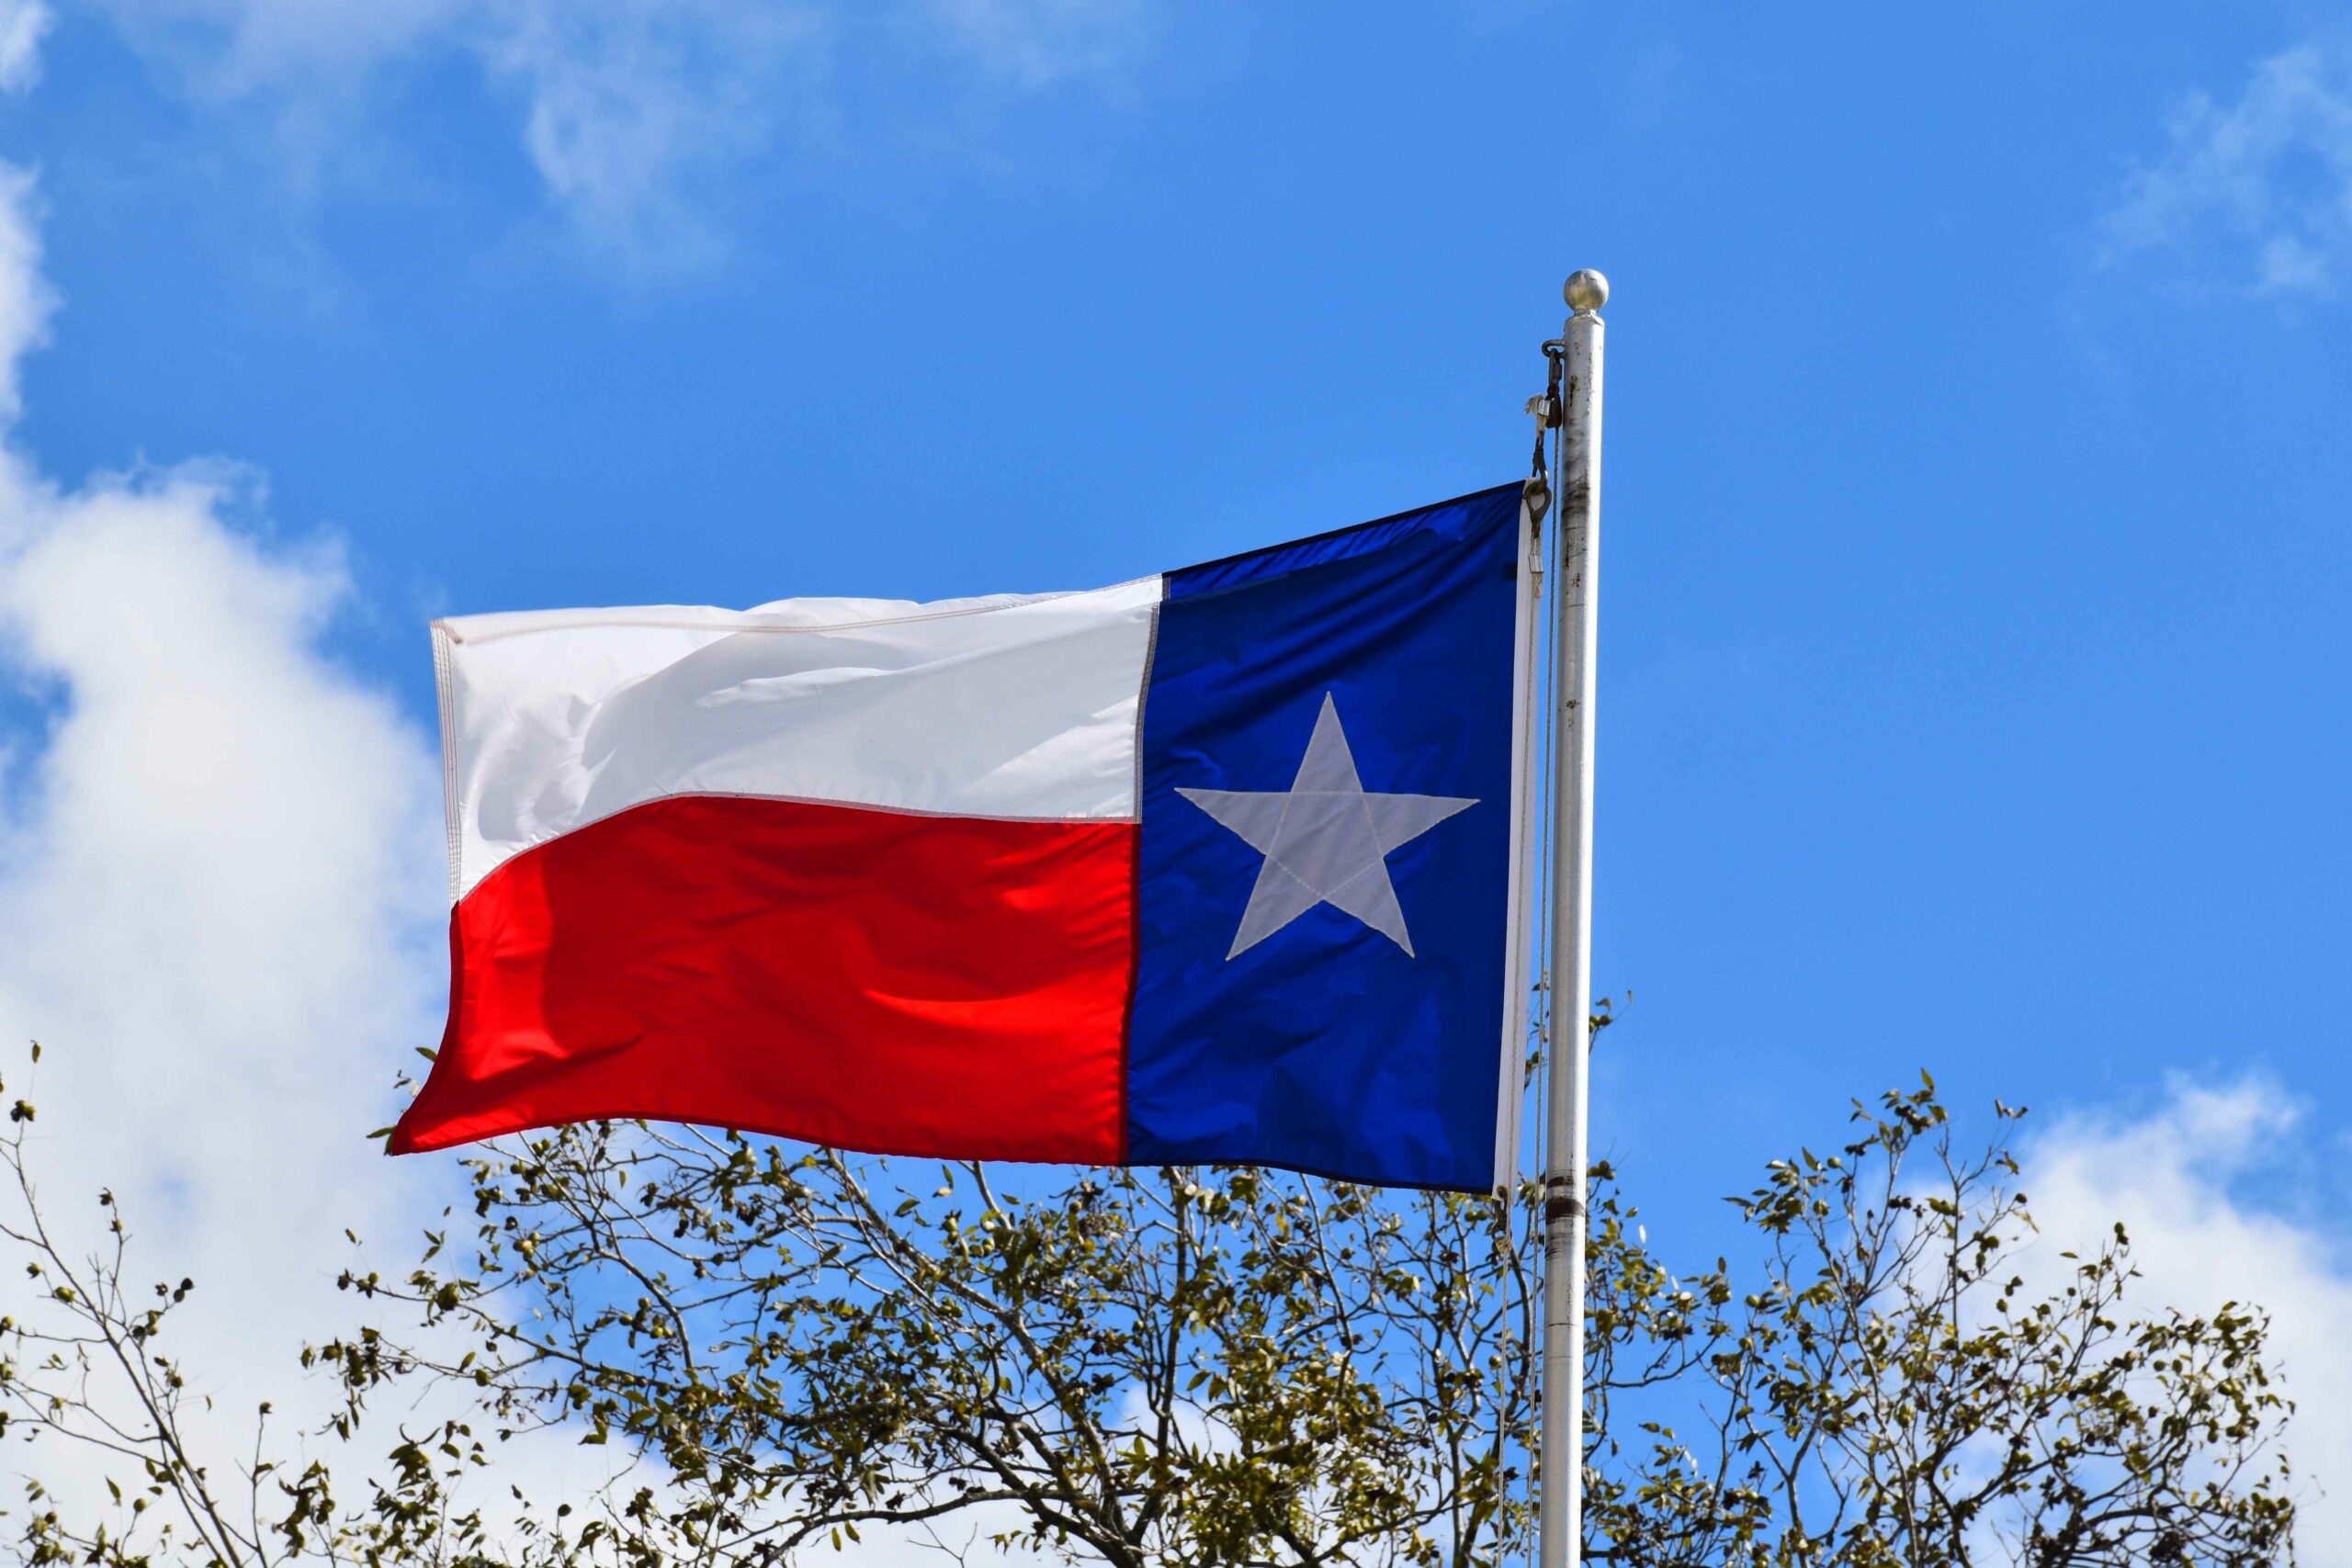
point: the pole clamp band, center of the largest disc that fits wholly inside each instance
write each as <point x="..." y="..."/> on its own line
<point x="1559" y="1205"/>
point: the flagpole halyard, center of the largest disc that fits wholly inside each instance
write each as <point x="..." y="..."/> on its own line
<point x="1575" y="643"/>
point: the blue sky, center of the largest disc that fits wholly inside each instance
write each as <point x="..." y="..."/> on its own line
<point x="1977" y="491"/>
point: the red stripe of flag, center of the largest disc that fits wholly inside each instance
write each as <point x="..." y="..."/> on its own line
<point x="874" y="980"/>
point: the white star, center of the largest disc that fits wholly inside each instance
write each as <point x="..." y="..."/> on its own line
<point x="1325" y="840"/>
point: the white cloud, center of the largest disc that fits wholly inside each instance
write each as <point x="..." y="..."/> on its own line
<point x="2173" y="1178"/>
<point x="23" y="24"/>
<point x="638" y="115"/>
<point x="219" y="889"/>
<point x="2254" y="196"/>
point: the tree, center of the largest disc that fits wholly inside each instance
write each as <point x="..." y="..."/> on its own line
<point x="1226" y="1366"/>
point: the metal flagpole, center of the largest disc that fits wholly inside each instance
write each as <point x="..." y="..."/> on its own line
<point x="1574" y="643"/>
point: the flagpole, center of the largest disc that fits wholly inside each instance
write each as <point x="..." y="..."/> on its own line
<point x="1575" y="642"/>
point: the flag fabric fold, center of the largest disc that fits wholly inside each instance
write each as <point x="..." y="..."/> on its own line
<point x="1213" y="866"/>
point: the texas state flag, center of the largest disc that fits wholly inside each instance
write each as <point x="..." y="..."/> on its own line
<point x="1215" y="866"/>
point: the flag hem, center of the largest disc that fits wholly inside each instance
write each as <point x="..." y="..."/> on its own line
<point x="1510" y="1088"/>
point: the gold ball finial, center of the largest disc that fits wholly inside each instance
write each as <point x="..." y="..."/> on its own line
<point x="1585" y="290"/>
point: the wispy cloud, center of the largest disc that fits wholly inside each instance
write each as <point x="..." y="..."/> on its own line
<point x="631" y="108"/>
<point x="2251" y="197"/>
<point x="1035" y="43"/>
<point x="640" y="115"/>
<point x="23" y="24"/>
<point x="26" y="301"/>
